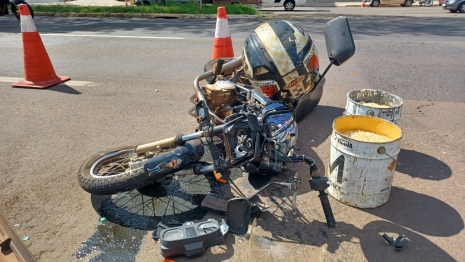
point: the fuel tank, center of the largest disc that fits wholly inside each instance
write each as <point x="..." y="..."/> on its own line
<point x="175" y="160"/>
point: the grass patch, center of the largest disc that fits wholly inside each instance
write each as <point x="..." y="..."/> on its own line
<point x="172" y="8"/>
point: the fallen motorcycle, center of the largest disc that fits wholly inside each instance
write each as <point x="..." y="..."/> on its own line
<point x="241" y="127"/>
<point x="14" y="6"/>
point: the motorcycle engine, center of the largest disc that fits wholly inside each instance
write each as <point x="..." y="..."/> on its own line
<point x="220" y="97"/>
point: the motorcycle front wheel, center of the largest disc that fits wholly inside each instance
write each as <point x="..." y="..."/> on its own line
<point x="428" y="3"/>
<point x="113" y="171"/>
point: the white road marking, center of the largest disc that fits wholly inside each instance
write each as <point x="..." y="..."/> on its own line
<point x="117" y="36"/>
<point x="70" y="83"/>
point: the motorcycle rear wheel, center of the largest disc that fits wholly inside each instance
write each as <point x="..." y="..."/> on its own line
<point x="113" y="171"/>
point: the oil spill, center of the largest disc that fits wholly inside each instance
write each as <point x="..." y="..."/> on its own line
<point x="111" y="242"/>
<point x="130" y="215"/>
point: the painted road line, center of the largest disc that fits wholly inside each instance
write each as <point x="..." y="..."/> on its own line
<point x="70" y="83"/>
<point x="118" y="36"/>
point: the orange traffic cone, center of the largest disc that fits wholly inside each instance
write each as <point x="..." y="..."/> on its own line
<point x="363" y="3"/>
<point x="222" y="45"/>
<point x="38" y="69"/>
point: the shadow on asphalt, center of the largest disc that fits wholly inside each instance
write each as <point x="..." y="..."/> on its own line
<point x="419" y="212"/>
<point x="417" y="164"/>
<point x="416" y="248"/>
<point x="317" y="126"/>
<point x="295" y="228"/>
<point x="63" y="88"/>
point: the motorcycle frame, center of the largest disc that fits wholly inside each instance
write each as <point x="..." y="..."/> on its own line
<point x="203" y="114"/>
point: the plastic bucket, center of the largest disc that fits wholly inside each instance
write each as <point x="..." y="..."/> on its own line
<point x="360" y="171"/>
<point x="368" y="102"/>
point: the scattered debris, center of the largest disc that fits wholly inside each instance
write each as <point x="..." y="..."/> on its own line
<point x="259" y="227"/>
<point x="190" y="239"/>
<point x="241" y="239"/>
<point x="156" y="233"/>
<point x="26" y="238"/>
<point x="398" y="243"/>
<point x="16" y="225"/>
<point x="224" y="227"/>
<point x="103" y="219"/>
<point x="156" y="90"/>
<point x="313" y="141"/>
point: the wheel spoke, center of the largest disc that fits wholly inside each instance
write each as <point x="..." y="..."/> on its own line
<point x="119" y="165"/>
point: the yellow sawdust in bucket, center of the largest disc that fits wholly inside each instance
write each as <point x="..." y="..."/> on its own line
<point x="366" y="136"/>
<point x="374" y="105"/>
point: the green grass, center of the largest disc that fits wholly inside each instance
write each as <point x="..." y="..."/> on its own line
<point x="187" y="8"/>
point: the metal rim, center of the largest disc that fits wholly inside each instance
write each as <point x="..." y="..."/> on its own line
<point x="462" y="8"/>
<point x="117" y="163"/>
<point x="289" y="5"/>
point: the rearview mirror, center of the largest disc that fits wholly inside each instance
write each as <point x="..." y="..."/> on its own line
<point x="339" y="42"/>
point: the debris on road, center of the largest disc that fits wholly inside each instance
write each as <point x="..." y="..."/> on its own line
<point x="103" y="219"/>
<point x="26" y="238"/>
<point x="190" y="239"/>
<point x="398" y="243"/>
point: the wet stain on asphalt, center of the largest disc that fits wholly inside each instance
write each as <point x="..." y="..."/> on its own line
<point x="131" y="215"/>
<point x="111" y="242"/>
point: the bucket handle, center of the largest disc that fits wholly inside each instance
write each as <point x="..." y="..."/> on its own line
<point x="382" y="150"/>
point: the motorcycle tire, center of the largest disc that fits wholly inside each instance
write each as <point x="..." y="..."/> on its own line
<point x="428" y="3"/>
<point x="122" y="174"/>
<point x="15" y="10"/>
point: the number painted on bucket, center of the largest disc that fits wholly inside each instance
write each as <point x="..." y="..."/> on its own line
<point x="339" y="163"/>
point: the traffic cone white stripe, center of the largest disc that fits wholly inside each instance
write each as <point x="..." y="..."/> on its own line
<point x="222" y="28"/>
<point x="27" y="25"/>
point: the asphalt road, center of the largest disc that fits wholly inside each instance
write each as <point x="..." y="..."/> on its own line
<point x="131" y="83"/>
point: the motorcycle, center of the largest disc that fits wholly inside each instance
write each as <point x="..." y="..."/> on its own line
<point x="427" y="3"/>
<point x="14" y="7"/>
<point x="240" y="127"/>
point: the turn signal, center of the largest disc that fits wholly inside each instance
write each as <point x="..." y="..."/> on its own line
<point x="269" y="91"/>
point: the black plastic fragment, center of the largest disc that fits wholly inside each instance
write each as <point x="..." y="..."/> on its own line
<point x="398" y="243"/>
